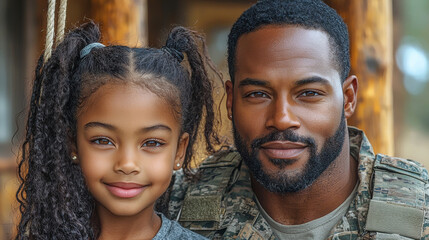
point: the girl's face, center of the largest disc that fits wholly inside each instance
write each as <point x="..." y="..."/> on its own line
<point x="128" y="143"/>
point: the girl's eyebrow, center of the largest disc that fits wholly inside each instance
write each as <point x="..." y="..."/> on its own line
<point x="156" y="127"/>
<point x="143" y="130"/>
<point x="99" y="124"/>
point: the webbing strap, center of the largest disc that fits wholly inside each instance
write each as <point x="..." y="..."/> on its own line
<point x="391" y="218"/>
<point x="203" y="200"/>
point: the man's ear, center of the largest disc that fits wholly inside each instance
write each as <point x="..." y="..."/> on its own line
<point x="229" y="87"/>
<point x="181" y="151"/>
<point x="350" y="89"/>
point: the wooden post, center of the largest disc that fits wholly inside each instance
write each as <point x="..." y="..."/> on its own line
<point x="371" y="47"/>
<point x="122" y="22"/>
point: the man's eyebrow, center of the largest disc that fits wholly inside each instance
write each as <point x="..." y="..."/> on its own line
<point x="252" y="81"/>
<point x="99" y="124"/>
<point x="312" y="80"/>
<point x="258" y="82"/>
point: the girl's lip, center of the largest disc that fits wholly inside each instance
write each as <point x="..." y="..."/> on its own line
<point x="125" y="185"/>
<point x="125" y="190"/>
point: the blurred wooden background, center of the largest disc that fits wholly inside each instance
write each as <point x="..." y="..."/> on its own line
<point x="146" y="23"/>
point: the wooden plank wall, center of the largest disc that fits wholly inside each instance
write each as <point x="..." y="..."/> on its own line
<point x="371" y="49"/>
<point x="122" y="22"/>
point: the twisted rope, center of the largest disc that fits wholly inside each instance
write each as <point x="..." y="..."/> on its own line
<point x="62" y="12"/>
<point x="50" y="30"/>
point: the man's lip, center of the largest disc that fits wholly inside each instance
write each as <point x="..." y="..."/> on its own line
<point x="283" y="149"/>
<point x="283" y="145"/>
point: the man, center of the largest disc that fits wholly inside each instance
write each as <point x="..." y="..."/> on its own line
<point x="299" y="172"/>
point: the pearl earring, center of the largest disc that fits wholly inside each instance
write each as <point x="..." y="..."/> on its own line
<point x="178" y="165"/>
<point x="74" y="158"/>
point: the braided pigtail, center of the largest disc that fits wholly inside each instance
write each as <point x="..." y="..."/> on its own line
<point x="54" y="201"/>
<point x="201" y="104"/>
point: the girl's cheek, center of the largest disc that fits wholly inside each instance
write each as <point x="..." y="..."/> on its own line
<point x="160" y="170"/>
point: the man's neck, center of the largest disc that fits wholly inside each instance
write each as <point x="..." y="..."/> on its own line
<point x="327" y="192"/>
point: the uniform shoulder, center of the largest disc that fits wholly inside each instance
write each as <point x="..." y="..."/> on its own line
<point x="399" y="202"/>
<point x="221" y="158"/>
<point x="401" y="165"/>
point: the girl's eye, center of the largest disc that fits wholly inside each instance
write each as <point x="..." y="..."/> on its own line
<point x="152" y="143"/>
<point x="102" y="141"/>
<point x="257" y="95"/>
<point x="310" y="94"/>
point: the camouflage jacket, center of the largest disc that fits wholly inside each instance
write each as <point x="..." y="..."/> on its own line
<point x="391" y="201"/>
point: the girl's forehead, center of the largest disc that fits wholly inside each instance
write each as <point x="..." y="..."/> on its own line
<point x="128" y="107"/>
<point x="159" y="85"/>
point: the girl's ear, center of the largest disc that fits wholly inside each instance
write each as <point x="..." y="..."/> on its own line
<point x="73" y="151"/>
<point x="181" y="151"/>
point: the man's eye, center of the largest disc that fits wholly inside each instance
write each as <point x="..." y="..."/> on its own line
<point x="102" y="141"/>
<point x="310" y="94"/>
<point x="257" y="95"/>
<point x="152" y="143"/>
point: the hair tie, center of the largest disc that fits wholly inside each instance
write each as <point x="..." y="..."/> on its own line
<point x="89" y="47"/>
<point x="174" y="52"/>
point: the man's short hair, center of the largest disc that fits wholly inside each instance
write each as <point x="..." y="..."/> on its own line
<point x="308" y="14"/>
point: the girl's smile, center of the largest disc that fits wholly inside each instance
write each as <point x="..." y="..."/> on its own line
<point x="124" y="189"/>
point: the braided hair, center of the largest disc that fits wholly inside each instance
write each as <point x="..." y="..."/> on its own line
<point x="54" y="200"/>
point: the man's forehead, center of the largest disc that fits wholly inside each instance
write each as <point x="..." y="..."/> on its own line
<point x="283" y="38"/>
<point x="283" y="49"/>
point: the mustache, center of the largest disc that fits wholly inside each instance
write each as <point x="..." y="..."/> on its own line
<point x="286" y="135"/>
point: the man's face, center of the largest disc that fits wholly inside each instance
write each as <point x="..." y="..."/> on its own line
<point x="288" y="106"/>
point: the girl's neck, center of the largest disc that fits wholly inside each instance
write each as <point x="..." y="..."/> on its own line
<point x="144" y="225"/>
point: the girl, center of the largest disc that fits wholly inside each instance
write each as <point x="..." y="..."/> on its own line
<point x="106" y="128"/>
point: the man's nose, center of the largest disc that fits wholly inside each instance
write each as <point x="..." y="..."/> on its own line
<point x="281" y="115"/>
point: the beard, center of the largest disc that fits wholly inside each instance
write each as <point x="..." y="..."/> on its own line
<point x="283" y="182"/>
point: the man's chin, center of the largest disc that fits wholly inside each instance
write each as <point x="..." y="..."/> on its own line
<point x="279" y="163"/>
<point x="282" y="182"/>
<point x="276" y="177"/>
<point x="283" y="164"/>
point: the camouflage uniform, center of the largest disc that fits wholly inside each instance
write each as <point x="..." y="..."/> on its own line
<point x="391" y="202"/>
